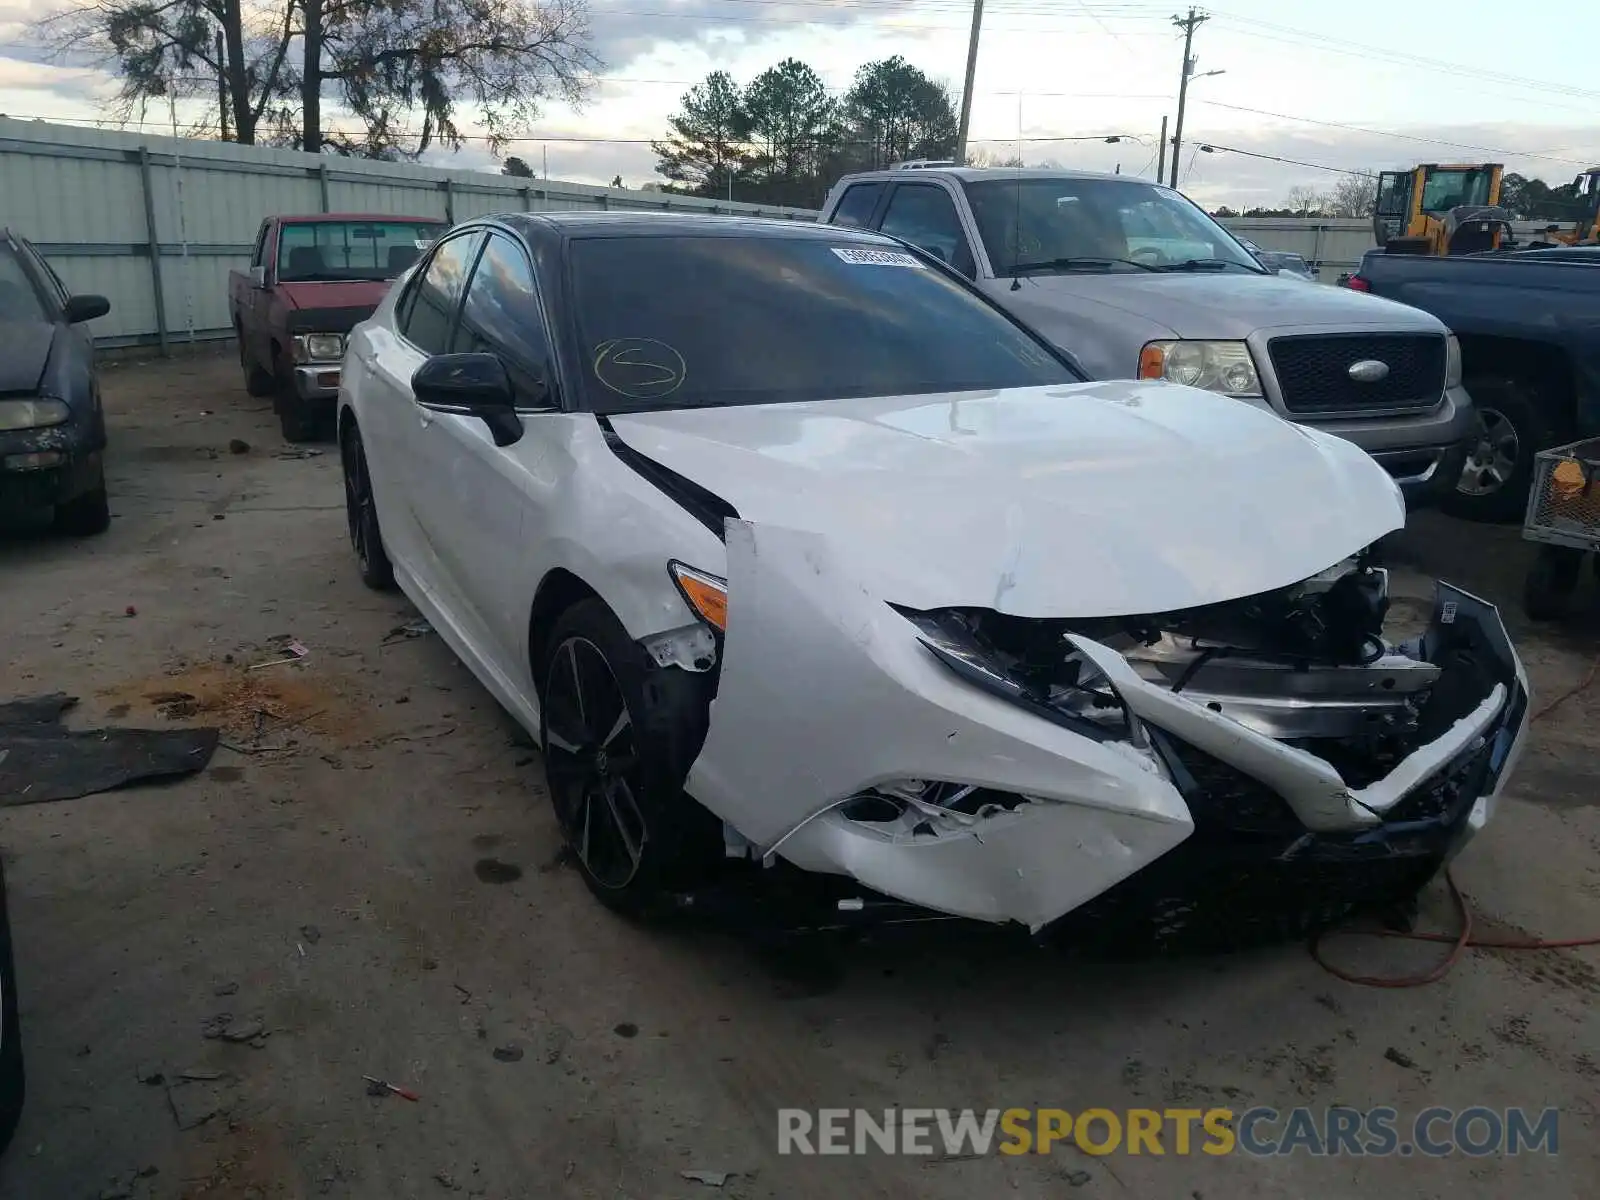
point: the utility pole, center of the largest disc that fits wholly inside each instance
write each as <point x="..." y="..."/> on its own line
<point x="966" y="92"/>
<point x="1161" y="154"/>
<point x="222" y="86"/>
<point x="1188" y="24"/>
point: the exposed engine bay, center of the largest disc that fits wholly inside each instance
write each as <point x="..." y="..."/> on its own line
<point x="1307" y="665"/>
<point x="1279" y="755"/>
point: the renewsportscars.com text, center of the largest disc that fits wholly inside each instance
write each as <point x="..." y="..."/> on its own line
<point x="1260" y="1131"/>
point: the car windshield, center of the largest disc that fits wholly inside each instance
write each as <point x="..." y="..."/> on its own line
<point x="330" y="250"/>
<point x="682" y="322"/>
<point x="1037" y="225"/>
<point x="1443" y="189"/>
<point x="19" y="299"/>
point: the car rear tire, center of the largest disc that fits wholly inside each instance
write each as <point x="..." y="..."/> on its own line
<point x="88" y="514"/>
<point x="619" y="735"/>
<point x="1515" y="423"/>
<point x="13" y="1082"/>
<point x="361" y="513"/>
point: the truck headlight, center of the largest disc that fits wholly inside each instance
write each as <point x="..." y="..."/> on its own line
<point x="318" y="347"/>
<point x="1452" y="361"/>
<point x="33" y="414"/>
<point x="1216" y="366"/>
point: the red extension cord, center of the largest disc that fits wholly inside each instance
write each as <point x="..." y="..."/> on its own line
<point x="1458" y="942"/>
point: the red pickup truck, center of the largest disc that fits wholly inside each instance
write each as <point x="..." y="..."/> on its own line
<point x="310" y="281"/>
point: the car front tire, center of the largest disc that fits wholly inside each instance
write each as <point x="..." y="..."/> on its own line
<point x="88" y="514"/>
<point x="619" y="735"/>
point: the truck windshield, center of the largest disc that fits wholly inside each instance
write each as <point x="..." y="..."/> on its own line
<point x="1444" y="189"/>
<point x="309" y="251"/>
<point x="1067" y="224"/>
<point x="689" y="322"/>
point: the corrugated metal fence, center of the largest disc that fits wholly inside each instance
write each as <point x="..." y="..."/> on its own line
<point x="156" y="223"/>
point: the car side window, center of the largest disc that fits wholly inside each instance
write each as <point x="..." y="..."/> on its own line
<point x="856" y="206"/>
<point x="502" y="316"/>
<point x="261" y="244"/>
<point x="924" y="215"/>
<point x="430" y="308"/>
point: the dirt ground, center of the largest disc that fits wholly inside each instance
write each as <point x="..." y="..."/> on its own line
<point x="375" y="878"/>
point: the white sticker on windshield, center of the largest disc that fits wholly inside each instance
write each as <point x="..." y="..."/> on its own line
<point x="856" y="256"/>
<point x="422" y="243"/>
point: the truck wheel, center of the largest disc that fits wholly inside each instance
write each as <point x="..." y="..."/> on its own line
<point x="297" y="423"/>
<point x="1516" y="421"/>
<point x="1547" y="592"/>
<point x="88" y="514"/>
<point x="257" y="382"/>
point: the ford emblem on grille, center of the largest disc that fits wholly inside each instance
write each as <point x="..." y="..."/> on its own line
<point x="1368" y="370"/>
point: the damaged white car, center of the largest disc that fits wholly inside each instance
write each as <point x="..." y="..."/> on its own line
<point x="798" y="555"/>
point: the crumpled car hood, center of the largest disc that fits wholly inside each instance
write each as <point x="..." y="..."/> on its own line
<point x="1099" y="499"/>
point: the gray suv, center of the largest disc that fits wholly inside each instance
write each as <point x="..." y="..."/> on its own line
<point x="1135" y="281"/>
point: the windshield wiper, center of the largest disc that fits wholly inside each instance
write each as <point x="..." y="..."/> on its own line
<point x="1200" y="264"/>
<point x="1067" y="264"/>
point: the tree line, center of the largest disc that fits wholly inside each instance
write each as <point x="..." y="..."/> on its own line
<point x="782" y="139"/>
<point x="261" y="70"/>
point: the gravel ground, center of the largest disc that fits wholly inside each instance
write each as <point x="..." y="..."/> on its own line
<point x="375" y="879"/>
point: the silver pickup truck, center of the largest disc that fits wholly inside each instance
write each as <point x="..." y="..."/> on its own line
<point x="1135" y="281"/>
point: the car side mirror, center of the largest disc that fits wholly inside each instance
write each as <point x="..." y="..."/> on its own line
<point x="86" y="308"/>
<point x="471" y="384"/>
<point x="258" y="277"/>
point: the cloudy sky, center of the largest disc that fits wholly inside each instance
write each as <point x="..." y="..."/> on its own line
<point x="1363" y="84"/>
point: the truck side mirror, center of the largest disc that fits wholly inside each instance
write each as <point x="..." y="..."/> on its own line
<point x="258" y="277"/>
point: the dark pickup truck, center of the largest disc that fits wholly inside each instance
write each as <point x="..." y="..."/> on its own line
<point x="1529" y="326"/>
<point x="310" y="281"/>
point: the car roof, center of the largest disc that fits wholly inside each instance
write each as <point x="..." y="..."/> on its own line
<point x="680" y="224"/>
<point x="313" y="218"/>
<point x="977" y="174"/>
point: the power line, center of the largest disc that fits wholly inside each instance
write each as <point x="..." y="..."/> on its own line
<point x="575" y="139"/>
<point x="1405" y="137"/>
<point x="1333" y="45"/>
<point x="1213" y="147"/>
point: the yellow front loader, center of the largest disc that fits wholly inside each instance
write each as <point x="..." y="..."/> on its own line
<point x="1586" y="231"/>
<point x="1440" y="210"/>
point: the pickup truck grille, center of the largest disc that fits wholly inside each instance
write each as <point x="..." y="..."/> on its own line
<point x="1314" y="372"/>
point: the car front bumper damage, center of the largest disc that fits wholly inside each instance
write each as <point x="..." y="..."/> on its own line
<point x="840" y="743"/>
<point x="40" y="468"/>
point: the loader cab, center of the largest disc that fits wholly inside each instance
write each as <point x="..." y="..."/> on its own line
<point x="1587" y="230"/>
<point x="1438" y="210"/>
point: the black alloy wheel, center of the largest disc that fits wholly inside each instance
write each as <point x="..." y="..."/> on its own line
<point x="619" y="734"/>
<point x="592" y="764"/>
<point x="361" y="513"/>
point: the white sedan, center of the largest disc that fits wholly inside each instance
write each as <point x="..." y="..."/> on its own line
<point x="794" y="551"/>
